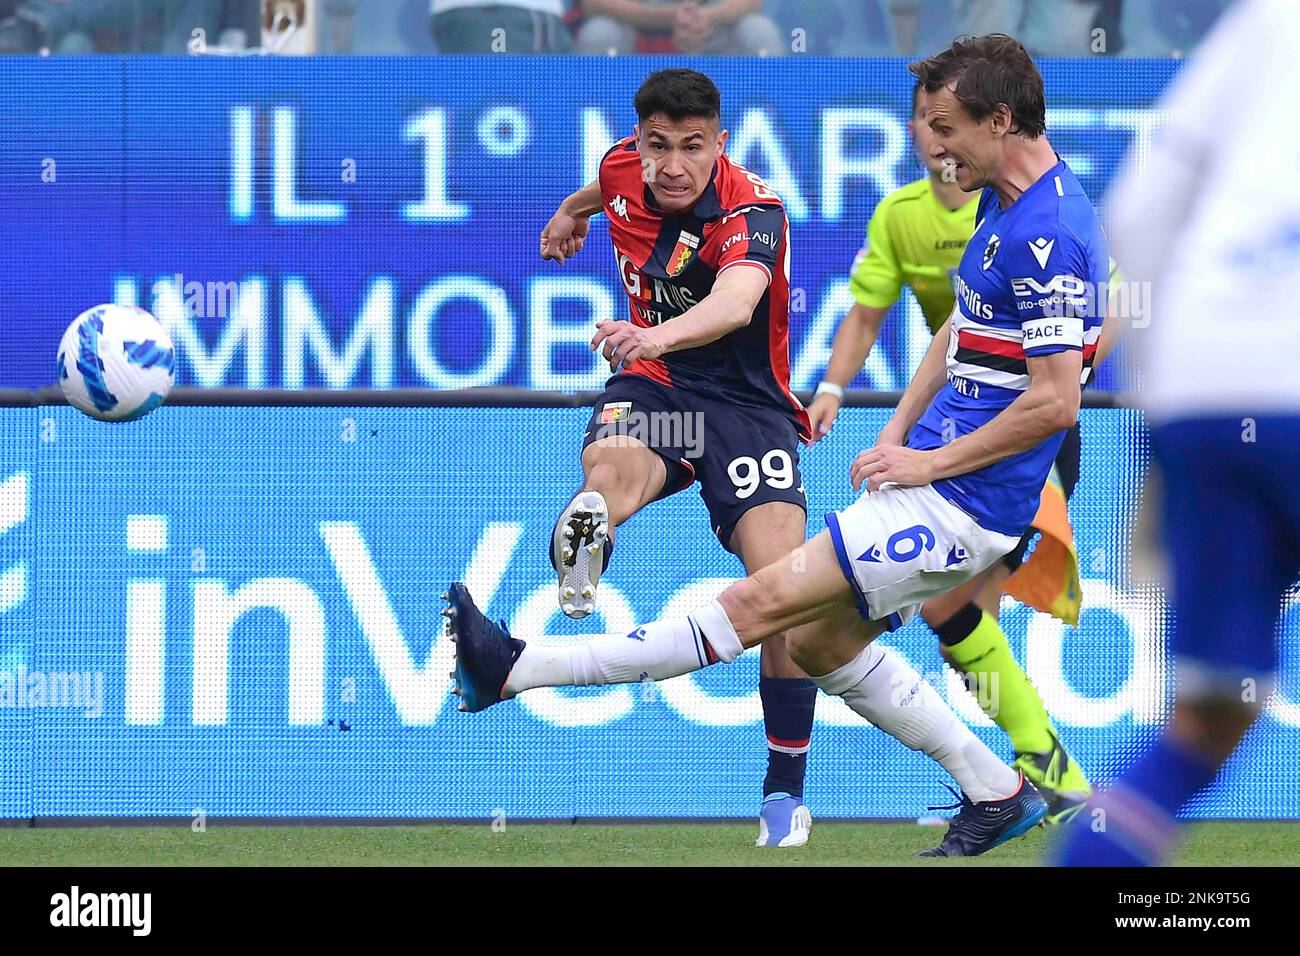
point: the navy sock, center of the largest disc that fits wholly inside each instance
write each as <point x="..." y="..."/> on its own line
<point x="788" y="704"/>
<point x="1136" y="825"/>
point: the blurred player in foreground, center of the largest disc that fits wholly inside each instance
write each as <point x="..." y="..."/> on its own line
<point x="937" y="511"/>
<point x="916" y="238"/>
<point x="702" y="384"/>
<point x="1212" y="220"/>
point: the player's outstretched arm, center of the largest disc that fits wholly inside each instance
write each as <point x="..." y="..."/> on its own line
<point x="729" y="306"/>
<point x="854" y="340"/>
<point x="1050" y="404"/>
<point x="566" y="233"/>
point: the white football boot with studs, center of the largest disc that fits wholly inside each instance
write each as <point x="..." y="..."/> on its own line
<point x="578" y="552"/>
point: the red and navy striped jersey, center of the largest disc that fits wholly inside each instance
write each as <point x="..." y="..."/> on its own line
<point x="669" y="261"/>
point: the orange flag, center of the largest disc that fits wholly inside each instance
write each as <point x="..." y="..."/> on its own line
<point x="1049" y="579"/>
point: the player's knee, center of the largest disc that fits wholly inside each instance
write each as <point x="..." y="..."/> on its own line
<point x="809" y="651"/>
<point x="755" y="608"/>
<point x="620" y="482"/>
<point x="935" y="615"/>
<point x="603" y="476"/>
<point x="801" y="650"/>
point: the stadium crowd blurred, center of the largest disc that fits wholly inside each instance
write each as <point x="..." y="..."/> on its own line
<point x="1141" y="28"/>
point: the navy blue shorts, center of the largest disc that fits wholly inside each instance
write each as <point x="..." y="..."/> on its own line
<point x="1231" y="524"/>
<point x="741" y="456"/>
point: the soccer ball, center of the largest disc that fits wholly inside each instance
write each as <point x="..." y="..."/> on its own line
<point x="115" y="363"/>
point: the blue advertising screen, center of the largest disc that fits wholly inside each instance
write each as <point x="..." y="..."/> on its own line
<point x="374" y="222"/>
<point x="236" y="610"/>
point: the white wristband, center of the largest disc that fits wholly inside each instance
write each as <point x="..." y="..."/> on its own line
<point x="829" y="388"/>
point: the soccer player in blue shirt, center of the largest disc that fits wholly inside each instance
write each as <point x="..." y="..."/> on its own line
<point x="951" y="484"/>
<point x="1211" y="218"/>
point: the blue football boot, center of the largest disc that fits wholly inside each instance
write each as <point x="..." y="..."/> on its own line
<point x="979" y="827"/>
<point x="485" y="652"/>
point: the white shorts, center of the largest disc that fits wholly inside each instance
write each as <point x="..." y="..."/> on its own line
<point x="900" y="547"/>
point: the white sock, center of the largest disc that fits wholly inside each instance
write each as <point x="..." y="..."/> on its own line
<point x="654" y="651"/>
<point x="882" y="687"/>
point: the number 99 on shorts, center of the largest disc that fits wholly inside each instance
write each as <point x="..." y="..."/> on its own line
<point x="747" y="473"/>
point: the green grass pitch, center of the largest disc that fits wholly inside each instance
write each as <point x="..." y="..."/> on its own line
<point x="694" y="844"/>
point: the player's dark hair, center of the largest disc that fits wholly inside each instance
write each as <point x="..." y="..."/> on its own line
<point x="916" y="95"/>
<point x="678" y="94"/>
<point x="986" y="72"/>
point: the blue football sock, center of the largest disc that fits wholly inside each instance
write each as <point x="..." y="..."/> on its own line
<point x="788" y="705"/>
<point x="1131" y="822"/>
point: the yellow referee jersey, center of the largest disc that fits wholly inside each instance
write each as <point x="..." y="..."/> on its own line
<point x="913" y="240"/>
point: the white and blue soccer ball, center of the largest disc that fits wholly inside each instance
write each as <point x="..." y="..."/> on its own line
<point x="115" y="363"/>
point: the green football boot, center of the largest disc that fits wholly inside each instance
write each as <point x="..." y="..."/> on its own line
<point x="1060" y="779"/>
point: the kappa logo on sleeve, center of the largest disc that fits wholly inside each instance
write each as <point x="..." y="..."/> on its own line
<point x="863" y="253"/>
<point x="619" y="205"/>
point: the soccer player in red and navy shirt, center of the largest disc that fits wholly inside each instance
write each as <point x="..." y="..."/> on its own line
<point x="700" y="391"/>
<point x="950" y="486"/>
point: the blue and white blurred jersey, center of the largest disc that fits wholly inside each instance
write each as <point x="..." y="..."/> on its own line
<point x="1028" y="285"/>
<point x="1212" y="219"/>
